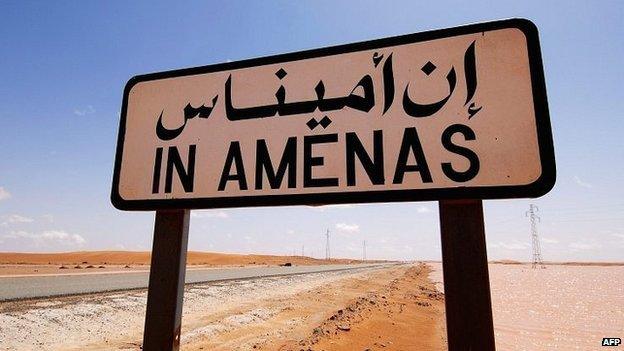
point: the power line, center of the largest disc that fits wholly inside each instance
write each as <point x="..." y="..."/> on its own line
<point x="327" y="252"/>
<point x="537" y="253"/>
<point x="364" y="250"/>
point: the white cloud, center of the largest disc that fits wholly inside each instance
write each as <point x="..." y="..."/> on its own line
<point x="17" y="234"/>
<point x="584" y="246"/>
<point x="513" y="245"/>
<point x="4" y="194"/>
<point x="15" y="218"/>
<point x="581" y="183"/>
<point x="249" y="240"/>
<point x="209" y="214"/>
<point x="58" y="235"/>
<point x="349" y="228"/>
<point x="47" y="238"/>
<point x="89" y="110"/>
<point x="423" y="209"/>
<point x="549" y="240"/>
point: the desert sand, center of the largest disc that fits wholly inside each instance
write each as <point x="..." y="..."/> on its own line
<point x="12" y="263"/>
<point x="405" y="314"/>
<point x="562" y="307"/>
<point x="323" y="311"/>
<point x="568" y="306"/>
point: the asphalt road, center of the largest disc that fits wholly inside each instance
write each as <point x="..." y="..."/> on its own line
<point x="26" y="287"/>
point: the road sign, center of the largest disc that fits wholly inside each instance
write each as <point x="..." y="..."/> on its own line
<point x="456" y="115"/>
<point x="447" y="114"/>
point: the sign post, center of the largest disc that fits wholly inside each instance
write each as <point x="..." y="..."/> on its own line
<point x="445" y="115"/>
<point x="163" y="318"/>
<point x="466" y="281"/>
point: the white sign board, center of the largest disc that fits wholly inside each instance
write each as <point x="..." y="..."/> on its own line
<point x="454" y="113"/>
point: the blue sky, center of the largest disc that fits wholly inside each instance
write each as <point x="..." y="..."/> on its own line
<point x="63" y="66"/>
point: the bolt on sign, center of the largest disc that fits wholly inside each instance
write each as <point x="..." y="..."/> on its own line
<point x="446" y="114"/>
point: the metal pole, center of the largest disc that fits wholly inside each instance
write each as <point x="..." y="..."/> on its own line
<point x="163" y="318"/>
<point x="466" y="281"/>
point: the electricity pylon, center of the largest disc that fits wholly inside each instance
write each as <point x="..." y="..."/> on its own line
<point x="537" y="253"/>
<point x="327" y="252"/>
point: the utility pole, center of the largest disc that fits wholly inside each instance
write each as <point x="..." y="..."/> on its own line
<point x="327" y="252"/>
<point x="302" y="250"/>
<point x="537" y="254"/>
<point x="364" y="250"/>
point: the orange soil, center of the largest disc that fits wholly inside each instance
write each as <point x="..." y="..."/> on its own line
<point x="407" y="315"/>
<point x="143" y="258"/>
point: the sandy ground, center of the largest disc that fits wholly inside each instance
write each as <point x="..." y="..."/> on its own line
<point x="324" y="311"/>
<point x="406" y="314"/>
<point x="562" y="307"/>
<point x="108" y="261"/>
